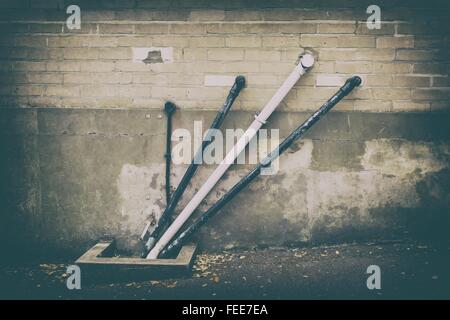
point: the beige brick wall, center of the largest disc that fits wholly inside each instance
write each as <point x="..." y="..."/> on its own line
<point x="405" y="64"/>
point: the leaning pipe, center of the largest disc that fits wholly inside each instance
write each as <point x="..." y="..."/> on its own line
<point x="306" y="62"/>
<point x="202" y="219"/>
<point x="238" y="85"/>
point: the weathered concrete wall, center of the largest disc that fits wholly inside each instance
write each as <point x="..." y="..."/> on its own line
<point x="82" y="132"/>
<point x="74" y="176"/>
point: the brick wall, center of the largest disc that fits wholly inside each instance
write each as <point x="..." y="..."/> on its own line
<point x="405" y="64"/>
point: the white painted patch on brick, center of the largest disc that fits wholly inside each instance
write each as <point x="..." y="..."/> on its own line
<point x="325" y="80"/>
<point x="218" y="81"/>
<point x="140" y="54"/>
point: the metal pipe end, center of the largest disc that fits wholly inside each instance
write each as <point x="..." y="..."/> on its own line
<point x="170" y="107"/>
<point x="354" y="81"/>
<point x="351" y="83"/>
<point x="240" y="82"/>
<point x="307" y="60"/>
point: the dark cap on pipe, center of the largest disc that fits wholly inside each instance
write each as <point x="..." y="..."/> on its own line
<point x="170" y="107"/>
<point x="351" y="83"/>
<point x="240" y="82"/>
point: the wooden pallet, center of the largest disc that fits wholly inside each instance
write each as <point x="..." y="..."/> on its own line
<point x="100" y="264"/>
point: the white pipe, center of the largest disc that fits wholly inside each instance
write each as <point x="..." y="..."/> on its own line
<point x="306" y="62"/>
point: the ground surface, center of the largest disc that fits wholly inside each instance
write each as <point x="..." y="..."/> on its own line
<point x="408" y="270"/>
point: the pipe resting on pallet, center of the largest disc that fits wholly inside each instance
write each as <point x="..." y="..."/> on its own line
<point x="305" y="62"/>
<point x="349" y="85"/>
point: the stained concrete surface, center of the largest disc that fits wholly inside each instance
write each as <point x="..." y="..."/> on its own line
<point x="408" y="270"/>
<point x="73" y="176"/>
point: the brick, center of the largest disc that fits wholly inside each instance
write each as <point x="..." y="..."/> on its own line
<point x="99" y="91"/>
<point x="291" y="54"/>
<point x="323" y="66"/>
<point x="354" y="67"/>
<point x="31" y="41"/>
<point x="243" y="42"/>
<point x="168" y="92"/>
<point x="171" y="41"/>
<point x="134" y="41"/>
<point x="184" y="28"/>
<point x="46" y="27"/>
<point x="115" y="53"/>
<point x="63" y="91"/>
<point x="387" y="28"/>
<point x="114" y="102"/>
<point x="327" y="80"/>
<point x="134" y="91"/>
<point x="431" y="94"/>
<point x="281" y="42"/>
<point x="419" y="27"/>
<point x="262" y="79"/>
<point x="360" y="54"/>
<point x="80" y="53"/>
<point x="207" y="42"/>
<point x="38" y="77"/>
<point x="315" y="94"/>
<point x="425" y="42"/>
<point x="98" y="78"/>
<point x="430" y="68"/>
<point x="260" y="28"/>
<point x="99" y="41"/>
<point x="28" y="90"/>
<point x="194" y="54"/>
<point x="242" y="66"/>
<point x="29" y="66"/>
<point x="97" y="66"/>
<point x="262" y="55"/>
<point x="116" y="28"/>
<point x="66" y="41"/>
<point x="196" y="67"/>
<point x="77" y="77"/>
<point x="440" y="82"/>
<point x="55" y="54"/>
<point x="262" y="94"/>
<point x="356" y="41"/>
<point x="395" y="67"/>
<point x="440" y="106"/>
<point x="391" y="93"/>
<point x="277" y="67"/>
<point x="226" y="28"/>
<point x="86" y="28"/>
<point x="318" y="41"/>
<point x="207" y="15"/>
<point x="218" y="81"/>
<point x="410" y="106"/>
<point x="414" y="55"/>
<point x="384" y="80"/>
<point x="412" y="81"/>
<point x="339" y="27"/>
<point x="16" y="77"/>
<point x="63" y="66"/>
<point x="152" y="28"/>
<point x="298" y="28"/>
<point x="395" y="42"/>
<point x="372" y="105"/>
<point x="225" y="54"/>
<point x="30" y="53"/>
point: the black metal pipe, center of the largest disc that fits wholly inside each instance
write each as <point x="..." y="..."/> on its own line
<point x="163" y="222"/>
<point x="203" y="218"/>
<point x="169" y="109"/>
